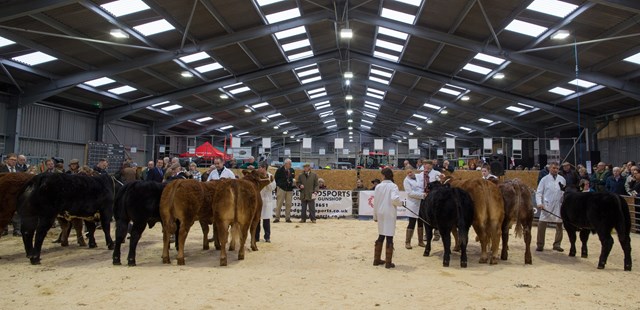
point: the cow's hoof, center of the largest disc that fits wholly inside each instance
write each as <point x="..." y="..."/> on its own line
<point x="223" y="262"/>
<point x="131" y="263"/>
<point x="110" y="246"/>
<point x="181" y="261"/>
<point x="254" y="248"/>
<point x="92" y="245"/>
<point x="493" y="261"/>
<point x="572" y="254"/>
<point x="82" y="243"/>
<point x="232" y="248"/>
<point x="528" y="262"/>
<point x="205" y="247"/>
<point x="601" y="265"/>
<point x="35" y="260"/>
<point x="64" y="243"/>
<point x="240" y="256"/>
<point x="504" y="256"/>
<point x="584" y="254"/>
<point x="445" y="263"/>
<point x="116" y="262"/>
<point x="463" y="264"/>
<point x="166" y="260"/>
<point x="483" y="260"/>
<point x="627" y="267"/>
<point x="425" y="253"/>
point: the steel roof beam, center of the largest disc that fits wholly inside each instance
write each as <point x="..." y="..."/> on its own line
<point x="23" y="8"/>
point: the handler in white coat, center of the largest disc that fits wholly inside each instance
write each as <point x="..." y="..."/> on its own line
<point x="549" y="199"/>
<point x="267" y="203"/>
<point x="386" y="200"/>
<point x="415" y="193"/>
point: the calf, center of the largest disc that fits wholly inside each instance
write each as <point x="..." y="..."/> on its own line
<point x="73" y="196"/>
<point x="597" y="213"/>
<point x="518" y="209"/>
<point x="137" y="202"/>
<point x="448" y="209"/>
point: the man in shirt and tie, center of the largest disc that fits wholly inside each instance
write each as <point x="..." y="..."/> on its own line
<point x="156" y="174"/>
<point x="427" y="176"/>
<point x="10" y="166"/>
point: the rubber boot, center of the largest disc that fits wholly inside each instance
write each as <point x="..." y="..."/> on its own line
<point x="389" y="256"/>
<point x="421" y="236"/>
<point x="407" y="242"/>
<point x="436" y="235"/>
<point x="377" y="253"/>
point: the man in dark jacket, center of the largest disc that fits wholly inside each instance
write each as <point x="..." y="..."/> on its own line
<point x="615" y="183"/>
<point x="569" y="175"/>
<point x="308" y="183"/>
<point x="284" y="191"/>
<point x="157" y="173"/>
<point x="599" y="177"/>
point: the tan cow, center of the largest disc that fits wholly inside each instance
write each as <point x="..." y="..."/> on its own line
<point x="518" y="210"/>
<point x="11" y="186"/>
<point x="489" y="214"/>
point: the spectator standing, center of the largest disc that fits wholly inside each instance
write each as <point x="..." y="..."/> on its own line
<point x="584" y="186"/>
<point x="193" y="170"/>
<point x="10" y="163"/>
<point x="544" y="172"/>
<point x="486" y="173"/>
<point x="615" y="183"/>
<point x="10" y="167"/>
<point x="599" y="177"/>
<point x="549" y="199"/>
<point x="267" y="202"/>
<point x="284" y="191"/>
<point x="308" y="184"/>
<point x="101" y="166"/>
<point x="629" y="182"/>
<point x="251" y="161"/>
<point x="218" y="171"/>
<point x="582" y="173"/>
<point x="22" y="165"/>
<point x="74" y="166"/>
<point x="375" y="183"/>
<point x="49" y="166"/>
<point x="385" y="212"/>
<point x="157" y="173"/>
<point x="569" y="175"/>
<point x="145" y="172"/>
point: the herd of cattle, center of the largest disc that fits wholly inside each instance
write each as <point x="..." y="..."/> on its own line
<point x="235" y="206"/>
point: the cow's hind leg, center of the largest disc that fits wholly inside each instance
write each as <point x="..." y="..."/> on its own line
<point x="136" y="233"/>
<point x="77" y="225"/>
<point x="91" y="230"/>
<point x="528" y="260"/>
<point x="571" y="233"/>
<point x="463" y="236"/>
<point x="446" y="241"/>
<point x="427" y="247"/>
<point x="168" y="228"/>
<point x="495" y="243"/>
<point x="456" y="238"/>
<point x="223" y="235"/>
<point x="43" y="227"/>
<point x="243" y="239"/>
<point x="65" y="229"/>
<point x="183" y="231"/>
<point x="625" y="242"/>
<point x="205" y="233"/>
<point x="105" y="221"/>
<point x="28" y="230"/>
<point x="607" y="243"/>
<point x="504" y="255"/>
<point x="121" y="233"/>
<point x="584" y="238"/>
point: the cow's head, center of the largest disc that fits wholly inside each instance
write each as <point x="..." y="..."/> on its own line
<point x="435" y="184"/>
<point x="254" y="177"/>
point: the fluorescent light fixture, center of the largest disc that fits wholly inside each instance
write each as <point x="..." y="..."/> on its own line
<point x="582" y="83"/>
<point x="119" y="33"/>
<point x="393" y="33"/>
<point x="351" y="132"/>
<point x="634" y="59"/>
<point x="429" y="121"/>
<point x="386" y="56"/>
<point x="305" y="54"/>
<point x="515" y="109"/>
<point x="172" y="107"/>
<point x="552" y="7"/>
<point x="376" y="105"/>
<point x="5" y="42"/>
<point x="349" y="121"/>
<point x="247" y="110"/>
<point x="264" y="120"/>
<point x="444" y="112"/>
<point x="160" y="103"/>
<point x="350" y="140"/>
<point x="348" y="75"/>
<point x="418" y="128"/>
<point x="308" y="72"/>
<point x="525" y="105"/>
<point x="325" y="114"/>
<point x="489" y="59"/>
<point x="284" y="123"/>
<point x="293" y="136"/>
<point x="276" y="127"/>
<point x="449" y="91"/>
<point x="204" y="119"/>
<point x="561" y="91"/>
<point x="525" y="28"/>
<point x="372" y="107"/>
<point x="34" y="58"/>
<point x="484" y="120"/>
<point x="348" y="97"/>
<point x="498" y="76"/>
<point x="296" y="45"/>
<point x="239" y="90"/>
<point x="346" y="33"/>
<point x="260" y="105"/>
<point x="375" y="91"/>
<point x="290" y="32"/>
<point x="449" y="134"/>
<point x="194" y="57"/>
<point x="347" y="82"/>
<point x="315" y="90"/>
<point x="378" y="80"/>
<point x="420" y="116"/>
<point x="375" y="95"/>
<point x="465" y="128"/>
<point x="311" y="80"/>
<point x="154" y="27"/>
<point x="349" y="111"/>
<point x="186" y="74"/>
<point x="121" y="89"/>
<point x="390" y="46"/>
<point x="242" y="133"/>
<point x="430" y="106"/>
<point x="465" y="98"/>
<point x="224" y="96"/>
<point x="398" y="16"/>
<point x="99" y="82"/>
<point x="561" y="35"/>
<point x="332" y="126"/>
<point x="209" y="67"/>
<point x="476" y="69"/>
<point x="274" y="115"/>
<point x="226" y="127"/>
<point x="266" y="2"/>
<point x="368" y="114"/>
<point x="411" y="2"/>
<point x="124" y="7"/>
<point x="399" y="140"/>
<point x="283" y="15"/>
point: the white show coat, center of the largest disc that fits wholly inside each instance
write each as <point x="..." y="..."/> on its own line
<point x="226" y="174"/>
<point x="549" y="195"/>
<point x="267" y="199"/>
<point x="386" y="200"/>
<point x="434" y="175"/>
<point x="415" y="192"/>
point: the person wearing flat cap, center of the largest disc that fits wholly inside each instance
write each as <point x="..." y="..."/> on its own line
<point x="375" y="182"/>
<point x="74" y="166"/>
<point x="570" y="175"/>
<point x="308" y="185"/>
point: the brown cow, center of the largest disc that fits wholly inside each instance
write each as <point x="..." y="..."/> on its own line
<point x="11" y="186"/>
<point x="237" y="203"/>
<point x="518" y="210"/>
<point x="489" y="214"/>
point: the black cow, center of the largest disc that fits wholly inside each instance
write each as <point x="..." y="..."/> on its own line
<point x="447" y="209"/>
<point x="137" y="202"/>
<point x="597" y="213"/>
<point x="48" y="195"/>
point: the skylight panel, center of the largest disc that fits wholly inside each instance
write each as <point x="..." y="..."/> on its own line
<point x="378" y="80"/>
<point x="5" y="42"/>
<point x="368" y="114"/>
<point x="325" y="114"/>
<point x="465" y="128"/>
<point x="525" y="105"/>
<point x="274" y="115"/>
<point x="296" y="45"/>
<point x="172" y="107"/>
<point x="375" y="91"/>
<point x="322" y="102"/>
<point x="420" y="116"/>
<point x="365" y="126"/>
<point x="371" y="105"/>
<point x="332" y="126"/>
<point x="525" y="28"/>
<point x="99" y="82"/>
<point x="239" y="90"/>
<point x="194" y="57"/>
<point x="322" y="106"/>
<point x="155" y="27"/>
<point x="431" y="106"/>
<point x="260" y="105"/>
<point x="393" y="33"/>
<point x="242" y="133"/>
<point x="33" y="59"/>
<point x="398" y="16"/>
<point x="374" y="95"/>
<point x="552" y="7"/>
<point x="490" y="59"/>
<point x="316" y="90"/>
<point x="226" y="127"/>
<point x="634" y="59"/>
<point x="385" y="56"/>
<point x="308" y="72"/>
<point x="476" y="69"/>
<point x="561" y="91"/>
<point x="484" y="120"/>
<point x="381" y="73"/>
<point x="317" y="95"/>
<point x="266" y="2"/>
<point x="388" y="45"/>
<point x="209" y="67"/>
<point x="159" y="103"/>
<point x="283" y="15"/>
<point x="412" y="2"/>
<point x="124" y="7"/>
<point x="582" y="83"/>
<point x="309" y="80"/>
<point x="204" y="119"/>
<point x="284" y="123"/>
<point x="329" y="121"/>
<point x="515" y="109"/>
<point x="121" y="90"/>
<point x="452" y="89"/>
<point x="290" y="32"/>
<point x="302" y="55"/>
<point x="367" y="121"/>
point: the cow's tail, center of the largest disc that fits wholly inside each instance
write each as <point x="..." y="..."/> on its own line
<point x="624" y="224"/>
<point x="519" y="205"/>
<point x="235" y="225"/>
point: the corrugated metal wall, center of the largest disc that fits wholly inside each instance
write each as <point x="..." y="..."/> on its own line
<point x="130" y="135"/>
